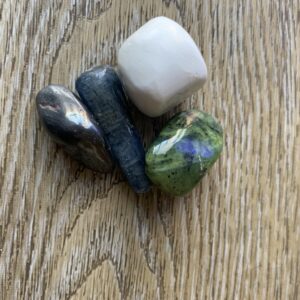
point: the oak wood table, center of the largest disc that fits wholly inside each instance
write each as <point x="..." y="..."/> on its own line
<point x="69" y="233"/>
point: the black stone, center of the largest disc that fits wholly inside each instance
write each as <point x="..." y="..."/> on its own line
<point x="70" y="124"/>
<point x="101" y="91"/>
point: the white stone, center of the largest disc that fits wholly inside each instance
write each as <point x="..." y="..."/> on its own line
<point x="160" y="66"/>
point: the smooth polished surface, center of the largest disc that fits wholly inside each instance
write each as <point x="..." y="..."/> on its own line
<point x="160" y="66"/>
<point x="68" y="233"/>
<point x="101" y="91"/>
<point x="67" y="120"/>
<point x="184" y="151"/>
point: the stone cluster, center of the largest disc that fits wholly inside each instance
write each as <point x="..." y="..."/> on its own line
<point x="159" y="66"/>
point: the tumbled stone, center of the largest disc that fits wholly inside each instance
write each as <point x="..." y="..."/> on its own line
<point x="183" y="152"/>
<point x="102" y="93"/>
<point x="73" y="127"/>
<point x="160" y="66"/>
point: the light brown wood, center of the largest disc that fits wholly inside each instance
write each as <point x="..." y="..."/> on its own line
<point x="67" y="233"/>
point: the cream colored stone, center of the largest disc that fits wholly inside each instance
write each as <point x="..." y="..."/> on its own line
<point x="160" y="66"/>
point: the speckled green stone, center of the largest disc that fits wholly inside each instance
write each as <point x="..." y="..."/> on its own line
<point x="183" y="152"/>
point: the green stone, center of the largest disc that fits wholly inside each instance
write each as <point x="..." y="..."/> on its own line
<point x="183" y="152"/>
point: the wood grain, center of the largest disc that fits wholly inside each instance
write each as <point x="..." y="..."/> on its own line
<point x="67" y="233"/>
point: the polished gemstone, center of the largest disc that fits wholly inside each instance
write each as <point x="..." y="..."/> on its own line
<point x="183" y="152"/>
<point x="73" y="127"/>
<point x="102" y="93"/>
<point x="160" y="66"/>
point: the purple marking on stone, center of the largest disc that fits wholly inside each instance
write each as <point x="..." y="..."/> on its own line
<point x="186" y="146"/>
<point x="205" y="150"/>
<point x="192" y="147"/>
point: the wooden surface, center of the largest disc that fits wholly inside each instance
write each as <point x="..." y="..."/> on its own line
<point x="67" y="233"/>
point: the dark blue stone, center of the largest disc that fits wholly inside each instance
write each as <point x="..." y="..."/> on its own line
<point x="70" y="124"/>
<point x="102" y="93"/>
